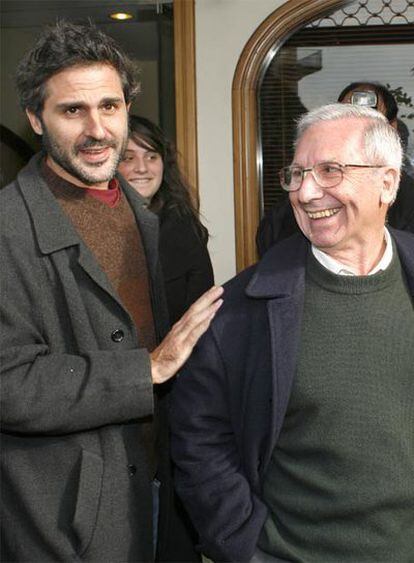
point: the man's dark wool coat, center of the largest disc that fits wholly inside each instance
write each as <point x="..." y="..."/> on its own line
<point x="229" y="402"/>
<point x="75" y="386"/>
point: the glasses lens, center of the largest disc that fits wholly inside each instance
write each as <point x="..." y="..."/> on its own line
<point x="328" y="174"/>
<point x="291" y="178"/>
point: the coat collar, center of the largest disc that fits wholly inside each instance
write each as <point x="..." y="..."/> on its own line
<point x="54" y="230"/>
<point x="405" y="248"/>
<point x="147" y="222"/>
<point x="281" y="270"/>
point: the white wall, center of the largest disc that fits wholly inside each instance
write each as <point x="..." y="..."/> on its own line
<point x="223" y="28"/>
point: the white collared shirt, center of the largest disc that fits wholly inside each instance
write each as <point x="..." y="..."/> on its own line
<point x="340" y="269"/>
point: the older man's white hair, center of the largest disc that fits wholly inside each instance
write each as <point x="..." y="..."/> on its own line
<point x="381" y="141"/>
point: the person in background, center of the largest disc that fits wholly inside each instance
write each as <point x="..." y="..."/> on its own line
<point x="150" y="166"/>
<point x="85" y="341"/>
<point x="299" y="443"/>
<point x="279" y="222"/>
<point x="373" y="94"/>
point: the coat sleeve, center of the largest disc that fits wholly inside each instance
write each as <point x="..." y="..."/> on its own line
<point x="44" y="388"/>
<point x="200" y="273"/>
<point x="205" y="449"/>
<point x="185" y="262"/>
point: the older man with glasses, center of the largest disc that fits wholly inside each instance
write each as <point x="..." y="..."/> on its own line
<point x="279" y="221"/>
<point x="299" y="442"/>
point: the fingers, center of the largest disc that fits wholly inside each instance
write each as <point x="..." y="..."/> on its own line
<point x="207" y="299"/>
<point x="198" y="324"/>
<point x="208" y="303"/>
<point x="178" y="344"/>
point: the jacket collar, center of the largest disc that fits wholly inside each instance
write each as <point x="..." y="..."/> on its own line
<point x="405" y="248"/>
<point x="281" y="270"/>
<point x="53" y="229"/>
<point x="147" y="222"/>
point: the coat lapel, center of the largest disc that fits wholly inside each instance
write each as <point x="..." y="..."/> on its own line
<point x="405" y="247"/>
<point x="280" y="279"/>
<point x="285" y="319"/>
<point x="147" y="223"/>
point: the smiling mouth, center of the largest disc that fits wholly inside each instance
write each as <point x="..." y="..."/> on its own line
<point x="96" y="154"/>
<point x="141" y="180"/>
<point x="323" y="213"/>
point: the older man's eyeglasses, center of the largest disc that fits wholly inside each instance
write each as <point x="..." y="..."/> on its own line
<point x="326" y="174"/>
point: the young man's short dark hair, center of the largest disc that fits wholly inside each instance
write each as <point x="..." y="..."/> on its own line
<point x="65" y="45"/>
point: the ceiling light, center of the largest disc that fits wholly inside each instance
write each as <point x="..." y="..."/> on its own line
<point x="121" y="16"/>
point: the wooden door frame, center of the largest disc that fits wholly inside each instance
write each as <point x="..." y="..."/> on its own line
<point x="185" y="91"/>
<point x="254" y="60"/>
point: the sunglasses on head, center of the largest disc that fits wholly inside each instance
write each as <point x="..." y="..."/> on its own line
<point x="367" y="99"/>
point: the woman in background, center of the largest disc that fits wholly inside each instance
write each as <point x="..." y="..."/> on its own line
<point x="150" y="166"/>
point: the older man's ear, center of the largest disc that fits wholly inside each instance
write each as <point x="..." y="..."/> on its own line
<point x="390" y="186"/>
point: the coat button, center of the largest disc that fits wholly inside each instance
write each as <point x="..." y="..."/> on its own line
<point x="117" y="335"/>
<point x="132" y="469"/>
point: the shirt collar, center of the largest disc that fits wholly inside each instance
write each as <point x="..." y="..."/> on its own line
<point x="338" y="268"/>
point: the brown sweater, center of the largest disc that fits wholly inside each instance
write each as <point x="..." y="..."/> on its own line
<point x="112" y="235"/>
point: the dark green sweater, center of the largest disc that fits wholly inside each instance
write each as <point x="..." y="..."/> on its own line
<point x="340" y="486"/>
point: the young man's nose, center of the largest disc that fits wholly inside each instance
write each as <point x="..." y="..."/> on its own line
<point x="95" y="127"/>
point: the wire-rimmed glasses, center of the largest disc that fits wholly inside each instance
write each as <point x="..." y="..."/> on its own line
<point x="326" y="174"/>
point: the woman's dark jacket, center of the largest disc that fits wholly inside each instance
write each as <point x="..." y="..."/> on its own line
<point x="185" y="262"/>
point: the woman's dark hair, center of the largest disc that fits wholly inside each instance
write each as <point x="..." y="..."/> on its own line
<point x="391" y="107"/>
<point x="65" y="45"/>
<point x="174" y="192"/>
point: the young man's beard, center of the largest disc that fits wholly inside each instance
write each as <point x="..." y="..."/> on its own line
<point x="66" y="158"/>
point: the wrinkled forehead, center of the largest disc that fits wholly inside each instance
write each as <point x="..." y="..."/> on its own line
<point x="98" y="80"/>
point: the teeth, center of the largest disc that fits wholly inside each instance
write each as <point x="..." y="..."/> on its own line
<point x="324" y="213"/>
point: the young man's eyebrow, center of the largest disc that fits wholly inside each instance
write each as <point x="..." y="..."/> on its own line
<point x="76" y="104"/>
<point x="65" y="105"/>
<point x="114" y="100"/>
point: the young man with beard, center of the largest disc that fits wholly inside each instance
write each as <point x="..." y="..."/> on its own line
<point x="85" y="345"/>
<point x="299" y="445"/>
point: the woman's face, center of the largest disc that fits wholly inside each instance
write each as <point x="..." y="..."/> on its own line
<point x="143" y="168"/>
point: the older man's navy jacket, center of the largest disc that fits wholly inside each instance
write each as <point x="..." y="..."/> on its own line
<point x="230" y="400"/>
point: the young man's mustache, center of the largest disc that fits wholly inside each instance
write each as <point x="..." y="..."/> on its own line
<point x="96" y="143"/>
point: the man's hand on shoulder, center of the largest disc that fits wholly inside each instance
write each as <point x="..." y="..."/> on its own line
<point x="177" y="346"/>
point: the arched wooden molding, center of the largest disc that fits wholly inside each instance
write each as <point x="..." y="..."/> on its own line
<point x="253" y="62"/>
